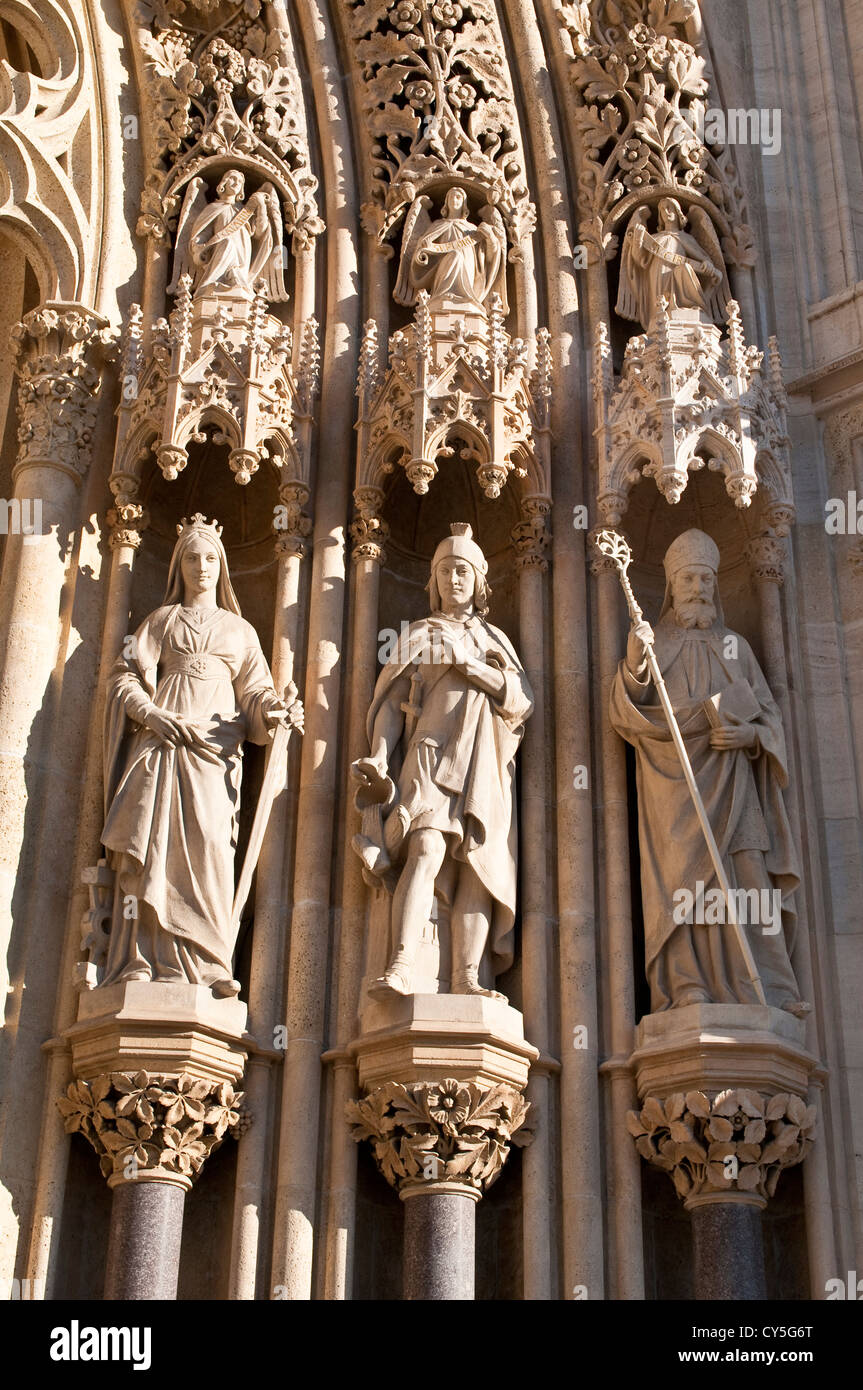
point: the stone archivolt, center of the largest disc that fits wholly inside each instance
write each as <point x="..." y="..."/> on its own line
<point x="735" y="1141"/>
<point x="155" y="1126"/>
<point x="641" y="86"/>
<point x="45" y="146"/>
<point x="686" y="397"/>
<point x="439" y="105"/>
<point x="449" y="1132"/>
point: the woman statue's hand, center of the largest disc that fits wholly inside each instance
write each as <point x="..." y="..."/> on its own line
<point x="168" y="727"/>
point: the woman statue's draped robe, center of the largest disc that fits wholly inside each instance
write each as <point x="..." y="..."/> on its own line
<point x="172" y="812"/>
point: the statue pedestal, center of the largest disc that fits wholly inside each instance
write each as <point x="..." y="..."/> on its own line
<point x="158" y="1027"/>
<point x="443" y="1075"/>
<point x="422" y="1037"/>
<point x="155" y="1067"/>
<point x="722" y="1089"/>
<point x="715" y="1046"/>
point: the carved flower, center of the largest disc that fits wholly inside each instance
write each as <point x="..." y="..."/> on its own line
<point x="641" y="34"/>
<point x="449" y="1104"/>
<point x="461" y="95"/>
<point x="420" y="94"/>
<point x="692" y="153"/>
<point x="634" y="154"/>
<point x="639" y="179"/>
<point x="739" y="1106"/>
<point x="136" y="1096"/>
<point x="186" y="1101"/>
<point x="406" y="15"/>
<point x="447" y="12"/>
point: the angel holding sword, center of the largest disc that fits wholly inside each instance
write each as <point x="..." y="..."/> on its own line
<point x="232" y="243"/>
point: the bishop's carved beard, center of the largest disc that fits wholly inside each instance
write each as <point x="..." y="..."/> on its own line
<point x="695" y="612"/>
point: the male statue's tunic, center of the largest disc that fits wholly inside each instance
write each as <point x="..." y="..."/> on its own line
<point x="459" y="760"/>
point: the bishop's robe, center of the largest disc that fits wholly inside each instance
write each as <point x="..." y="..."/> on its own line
<point x="743" y="797"/>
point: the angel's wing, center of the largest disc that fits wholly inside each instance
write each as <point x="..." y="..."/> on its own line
<point x="627" y="305"/>
<point x="194" y="203"/>
<point x="715" y="296"/>
<point x="273" y="267"/>
<point x="417" y="224"/>
<point x="490" y="217"/>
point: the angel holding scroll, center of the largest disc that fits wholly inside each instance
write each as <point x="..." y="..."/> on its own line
<point x="232" y="243"/>
<point x="452" y="258"/>
<point x="685" y="270"/>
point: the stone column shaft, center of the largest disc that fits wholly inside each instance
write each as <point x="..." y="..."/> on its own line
<point x="538" y="1167"/>
<point x="728" y="1252"/>
<point x="265" y="984"/>
<point x="341" y="1201"/>
<point x="144" y="1242"/>
<point x="624" y="1174"/>
<point x="299" y="1138"/>
<point x="439" y="1245"/>
<point x="767" y="558"/>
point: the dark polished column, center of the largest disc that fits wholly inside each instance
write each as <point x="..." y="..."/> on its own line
<point x="439" y="1241"/>
<point x="728" y="1252"/>
<point x="144" y="1241"/>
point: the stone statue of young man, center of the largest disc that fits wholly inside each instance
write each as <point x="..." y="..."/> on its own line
<point x="732" y="729"/>
<point x="439" y="816"/>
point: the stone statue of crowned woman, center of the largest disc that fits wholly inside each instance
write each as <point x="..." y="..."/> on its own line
<point x="192" y="685"/>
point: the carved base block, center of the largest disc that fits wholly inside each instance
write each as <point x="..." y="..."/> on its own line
<point x="713" y="1047"/>
<point x="159" y="1028"/>
<point x="422" y="1037"/>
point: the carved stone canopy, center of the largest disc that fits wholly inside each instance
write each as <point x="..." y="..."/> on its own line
<point x="687" y="398"/>
<point x="225" y="363"/>
<point x="454" y="373"/>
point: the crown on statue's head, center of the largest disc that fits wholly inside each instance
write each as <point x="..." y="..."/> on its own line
<point x="199" y="522"/>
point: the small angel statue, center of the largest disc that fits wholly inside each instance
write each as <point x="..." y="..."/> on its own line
<point x="452" y="258"/>
<point x="232" y="243"/>
<point x="686" y="270"/>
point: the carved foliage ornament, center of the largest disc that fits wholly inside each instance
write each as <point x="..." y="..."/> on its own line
<point x="151" y="1122"/>
<point x="60" y="351"/>
<point x="440" y="107"/>
<point x="736" y="1141"/>
<point x="235" y="92"/>
<point x="445" y="1132"/>
<point x="641" y="121"/>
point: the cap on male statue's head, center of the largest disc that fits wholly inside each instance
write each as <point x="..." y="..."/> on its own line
<point x="462" y="546"/>
<point x="691" y="548"/>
